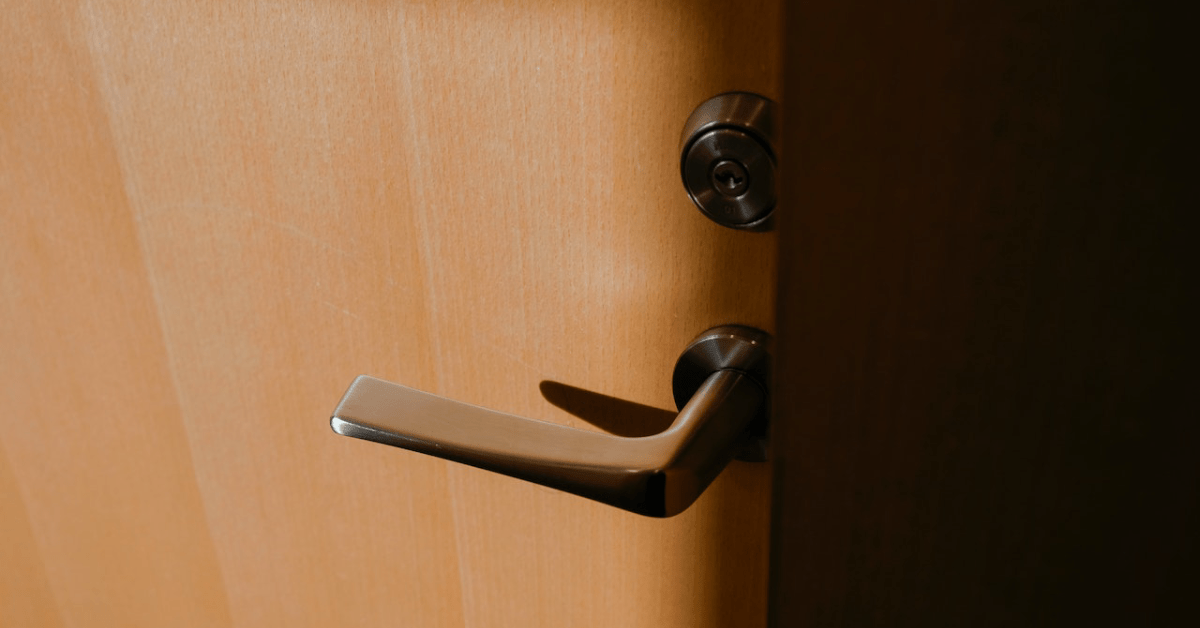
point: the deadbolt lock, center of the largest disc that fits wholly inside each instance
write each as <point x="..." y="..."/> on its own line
<point x="728" y="160"/>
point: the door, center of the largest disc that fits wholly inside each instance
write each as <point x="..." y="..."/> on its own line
<point x="215" y="215"/>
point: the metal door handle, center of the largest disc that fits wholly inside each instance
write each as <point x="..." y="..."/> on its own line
<point x="720" y="383"/>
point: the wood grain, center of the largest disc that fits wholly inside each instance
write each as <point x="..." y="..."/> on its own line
<point x="25" y="595"/>
<point x="266" y="199"/>
<point x="91" y="423"/>
<point x="987" y="349"/>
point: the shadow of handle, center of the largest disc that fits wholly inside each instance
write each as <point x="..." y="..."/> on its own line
<point x="659" y="475"/>
<point x="611" y="414"/>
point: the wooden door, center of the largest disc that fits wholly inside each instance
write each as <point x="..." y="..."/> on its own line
<point x="215" y="215"/>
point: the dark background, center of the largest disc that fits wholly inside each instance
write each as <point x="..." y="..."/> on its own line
<point x="986" y="409"/>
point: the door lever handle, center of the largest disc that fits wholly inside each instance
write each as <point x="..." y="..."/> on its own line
<point x="721" y="384"/>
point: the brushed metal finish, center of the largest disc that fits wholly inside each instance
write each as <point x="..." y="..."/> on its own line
<point x="728" y="160"/>
<point x="736" y="347"/>
<point x="659" y="475"/>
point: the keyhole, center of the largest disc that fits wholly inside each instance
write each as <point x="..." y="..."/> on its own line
<point x="729" y="178"/>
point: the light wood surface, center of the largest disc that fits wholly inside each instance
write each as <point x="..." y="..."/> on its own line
<point x="215" y="215"/>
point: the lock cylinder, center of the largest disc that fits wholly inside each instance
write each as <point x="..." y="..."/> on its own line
<point x="728" y="160"/>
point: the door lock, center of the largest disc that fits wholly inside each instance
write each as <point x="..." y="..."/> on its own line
<point x="728" y="160"/>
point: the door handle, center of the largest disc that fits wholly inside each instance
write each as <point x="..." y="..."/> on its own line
<point x="721" y="385"/>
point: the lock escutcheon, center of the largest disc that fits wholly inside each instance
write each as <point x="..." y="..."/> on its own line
<point x="728" y="161"/>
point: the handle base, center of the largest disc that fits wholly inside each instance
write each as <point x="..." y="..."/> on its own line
<point x="729" y="347"/>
